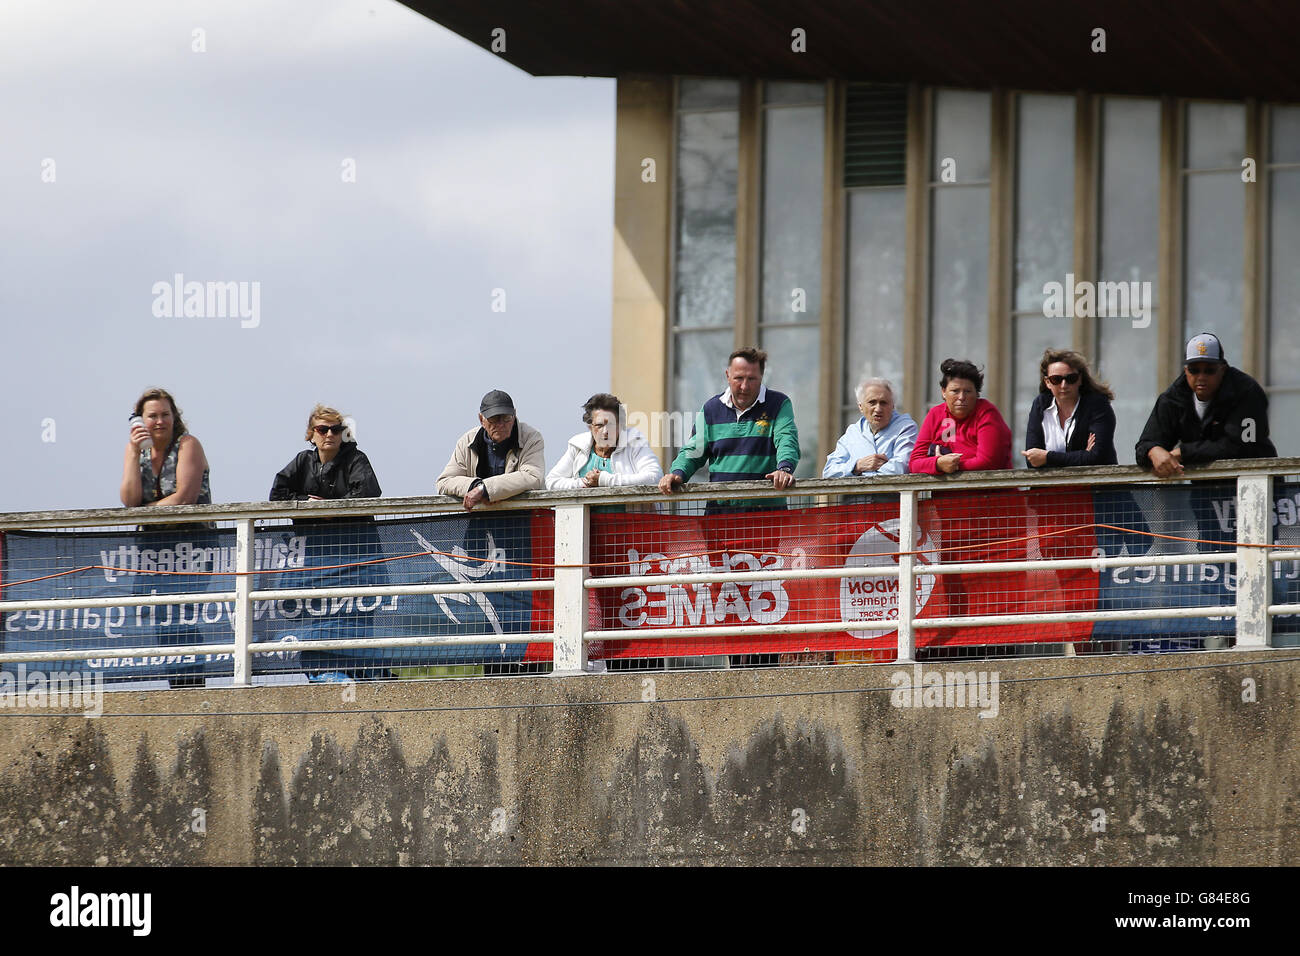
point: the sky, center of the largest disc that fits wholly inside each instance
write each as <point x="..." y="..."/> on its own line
<point x="377" y="181"/>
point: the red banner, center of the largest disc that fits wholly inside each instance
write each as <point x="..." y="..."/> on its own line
<point x="954" y="527"/>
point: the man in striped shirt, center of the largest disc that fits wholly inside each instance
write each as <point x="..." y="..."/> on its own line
<point x="745" y="434"/>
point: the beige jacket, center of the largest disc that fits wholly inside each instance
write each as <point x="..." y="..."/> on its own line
<point x="525" y="467"/>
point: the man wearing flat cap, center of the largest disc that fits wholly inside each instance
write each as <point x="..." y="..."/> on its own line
<point x="1212" y="411"/>
<point x="496" y="460"/>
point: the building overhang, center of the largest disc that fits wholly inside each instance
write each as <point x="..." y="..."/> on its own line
<point x="1231" y="49"/>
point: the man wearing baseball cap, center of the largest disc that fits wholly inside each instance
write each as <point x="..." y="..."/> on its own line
<point x="1211" y="411"/>
<point x="498" y="459"/>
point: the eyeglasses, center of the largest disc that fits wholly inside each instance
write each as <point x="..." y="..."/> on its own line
<point x="1202" y="369"/>
<point x="328" y="429"/>
<point x="1070" y="379"/>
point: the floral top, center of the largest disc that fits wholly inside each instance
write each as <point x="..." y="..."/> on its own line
<point x="156" y="487"/>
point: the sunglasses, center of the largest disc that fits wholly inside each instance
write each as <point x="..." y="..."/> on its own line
<point x="328" y="429"/>
<point x="1070" y="379"/>
<point x="1202" y="369"/>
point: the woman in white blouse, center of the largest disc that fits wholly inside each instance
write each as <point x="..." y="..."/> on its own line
<point x="1071" y="421"/>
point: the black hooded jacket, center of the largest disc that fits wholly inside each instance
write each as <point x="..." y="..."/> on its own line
<point x="1235" y="425"/>
<point x="347" y="475"/>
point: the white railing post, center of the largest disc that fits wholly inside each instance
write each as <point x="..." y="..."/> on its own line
<point x="572" y="547"/>
<point x="906" y="574"/>
<point x="243" y="603"/>
<point x="1254" y="580"/>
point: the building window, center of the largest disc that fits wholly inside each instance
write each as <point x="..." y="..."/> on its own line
<point x="1283" y="328"/>
<point x="704" y="266"/>
<point x="1044" y="240"/>
<point x="959" y="233"/>
<point x="1128" y="239"/>
<point x="875" y="143"/>
<point x="789" y="317"/>
<point x="1214" y="223"/>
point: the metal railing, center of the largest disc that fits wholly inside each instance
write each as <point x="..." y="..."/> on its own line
<point x="574" y="583"/>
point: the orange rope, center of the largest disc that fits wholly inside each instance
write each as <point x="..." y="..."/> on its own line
<point x="693" y="554"/>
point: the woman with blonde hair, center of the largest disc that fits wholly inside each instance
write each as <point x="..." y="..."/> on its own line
<point x="333" y="468"/>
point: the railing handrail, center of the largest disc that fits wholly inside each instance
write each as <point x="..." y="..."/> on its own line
<point x="573" y="578"/>
<point x="637" y="494"/>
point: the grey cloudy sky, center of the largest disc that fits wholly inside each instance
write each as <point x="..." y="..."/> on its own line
<point x="227" y="165"/>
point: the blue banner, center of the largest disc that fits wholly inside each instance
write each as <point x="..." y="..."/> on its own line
<point x="1203" y="516"/>
<point x="322" y="554"/>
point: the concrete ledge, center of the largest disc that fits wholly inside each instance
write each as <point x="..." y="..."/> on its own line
<point x="1108" y="760"/>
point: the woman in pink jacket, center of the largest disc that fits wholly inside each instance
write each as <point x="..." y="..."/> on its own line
<point x="965" y="432"/>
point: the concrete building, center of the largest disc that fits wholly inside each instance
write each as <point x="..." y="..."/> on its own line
<point x="868" y="189"/>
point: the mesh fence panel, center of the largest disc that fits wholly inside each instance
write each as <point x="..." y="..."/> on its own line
<point x="963" y="526"/>
<point x="776" y="546"/>
<point x="1286" y="573"/>
<point x="455" y="549"/>
<point x="447" y="550"/>
<point x="123" y="562"/>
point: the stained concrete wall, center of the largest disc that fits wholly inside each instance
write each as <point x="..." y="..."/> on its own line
<point x="725" y="767"/>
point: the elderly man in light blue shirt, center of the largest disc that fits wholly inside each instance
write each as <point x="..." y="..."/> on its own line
<point x="878" y="443"/>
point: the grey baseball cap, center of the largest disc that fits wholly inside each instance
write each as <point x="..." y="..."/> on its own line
<point x="1204" y="347"/>
<point x="496" y="402"/>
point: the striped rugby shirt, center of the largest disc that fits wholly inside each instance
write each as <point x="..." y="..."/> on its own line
<point x="762" y="439"/>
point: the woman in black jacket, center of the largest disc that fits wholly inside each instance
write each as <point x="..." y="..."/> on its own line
<point x="334" y="468"/>
<point x="1071" y="421"/>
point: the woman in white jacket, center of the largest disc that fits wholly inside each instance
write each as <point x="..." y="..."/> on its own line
<point x="604" y="454"/>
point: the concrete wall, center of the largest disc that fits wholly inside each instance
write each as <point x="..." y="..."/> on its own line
<point x="581" y="770"/>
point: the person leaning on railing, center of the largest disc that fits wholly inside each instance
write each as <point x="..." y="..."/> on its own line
<point x="604" y="455"/>
<point x="964" y="432"/>
<point x="1211" y="411"/>
<point x="1071" y="421"/>
<point x="163" y="463"/>
<point x="334" y="468"/>
<point x="499" y="459"/>
<point x="878" y="443"/>
<point x="747" y="433"/>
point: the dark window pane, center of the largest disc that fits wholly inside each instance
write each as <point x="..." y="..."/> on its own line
<point x="1285" y="134"/>
<point x="1044" y="196"/>
<point x="777" y="92"/>
<point x="1284" y="279"/>
<point x="707" y="94"/>
<point x="959" y="271"/>
<point x="874" y="310"/>
<point x="793" y="367"/>
<point x="1216" y="135"/>
<point x="1214" y="229"/>
<point x="792" y="214"/>
<point x="706" y="219"/>
<point x="961" y="133"/>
